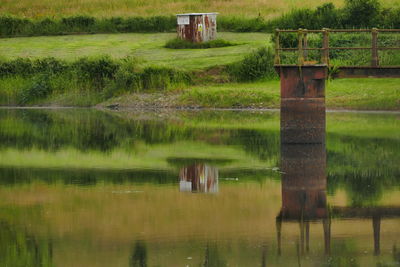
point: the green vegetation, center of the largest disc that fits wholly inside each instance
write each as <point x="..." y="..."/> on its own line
<point x="115" y="8"/>
<point x="87" y="80"/>
<point x="183" y="44"/>
<point x="147" y="47"/>
<point x="354" y="14"/>
<point x="123" y="78"/>
<point x="367" y="94"/>
<point x="255" y="66"/>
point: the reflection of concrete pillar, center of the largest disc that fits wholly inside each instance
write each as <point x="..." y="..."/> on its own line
<point x="302" y="104"/>
<point x="303" y="181"/>
<point x="199" y="178"/>
<point x="376" y="225"/>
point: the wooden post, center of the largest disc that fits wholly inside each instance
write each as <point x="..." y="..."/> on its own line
<point x="305" y="45"/>
<point x="325" y="46"/>
<point x="374" y="48"/>
<point x="300" y="48"/>
<point x="277" y="59"/>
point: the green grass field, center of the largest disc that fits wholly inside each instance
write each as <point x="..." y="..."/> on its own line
<point x="108" y="8"/>
<point x="147" y="47"/>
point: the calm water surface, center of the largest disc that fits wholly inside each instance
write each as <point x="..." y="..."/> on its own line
<point x="209" y="188"/>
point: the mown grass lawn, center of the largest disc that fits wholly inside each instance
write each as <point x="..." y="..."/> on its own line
<point x="147" y="47"/>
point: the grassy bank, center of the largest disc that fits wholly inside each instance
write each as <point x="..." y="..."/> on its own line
<point x="359" y="94"/>
<point x="363" y="94"/>
<point x="140" y="72"/>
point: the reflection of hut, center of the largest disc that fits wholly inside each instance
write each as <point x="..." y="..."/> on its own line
<point x="199" y="178"/>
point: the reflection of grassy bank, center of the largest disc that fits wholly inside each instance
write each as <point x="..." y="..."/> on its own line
<point x="361" y="147"/>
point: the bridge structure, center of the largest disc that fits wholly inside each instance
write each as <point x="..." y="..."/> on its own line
<point x="303" y="77"/>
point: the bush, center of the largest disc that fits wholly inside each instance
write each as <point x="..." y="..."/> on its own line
<point x="258" y="65"/>
<point x="49" y="65"/>
<point x="361" y="13"/>
<point x="184" y="44"/>
<point x="39" y="88"/>
<point x="96" y="70"/>
<point x="21" y="66"/>
<point x="11" y="26"/>
<point x="236" y="24"/>
<point x="78" y="23"/>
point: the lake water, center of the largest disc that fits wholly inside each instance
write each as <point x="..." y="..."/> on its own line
<point x="196" y="188"/>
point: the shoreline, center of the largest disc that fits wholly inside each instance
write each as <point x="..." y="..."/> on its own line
<point x="194" y="109"/>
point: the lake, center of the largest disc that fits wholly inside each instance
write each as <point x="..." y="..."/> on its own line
<point x="86" y="187"/>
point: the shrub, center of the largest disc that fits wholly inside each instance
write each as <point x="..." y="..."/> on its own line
<point x="390" y="18"/>
<point x="21" y="66"/>
<point x="49" y="65"/>
<point x="236" y="24"/>
<point x="361" y="13"/>
<point x="258" y="65"/>
<point x="11" y="26"/>
<point x="78" y="23"/>
<point x="184" y="44"/>
<point x="39" y="88"/>
<point x="97" y="70"/>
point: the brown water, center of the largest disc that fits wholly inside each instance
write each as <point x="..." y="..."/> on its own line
<point x="210" y="188"/>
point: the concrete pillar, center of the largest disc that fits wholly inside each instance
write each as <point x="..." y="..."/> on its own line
<point x="302" y="103"/>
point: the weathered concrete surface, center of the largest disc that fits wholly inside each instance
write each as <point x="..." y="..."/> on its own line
<point x="302" y="104"/>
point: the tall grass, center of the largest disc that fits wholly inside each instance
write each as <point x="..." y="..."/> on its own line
<point x="354" y="14"/>
<point x="87" y="80"/>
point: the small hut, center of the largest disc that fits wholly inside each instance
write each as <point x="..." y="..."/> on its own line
<point x="197" y="27"/>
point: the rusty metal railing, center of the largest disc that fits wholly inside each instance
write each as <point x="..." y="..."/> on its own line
<point x="303" y="48"/>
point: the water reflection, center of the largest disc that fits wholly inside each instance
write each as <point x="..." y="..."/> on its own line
<point x="304" y="191"/>
<point x="103" y="188"/>
<point x="19" y="248"/>
<point x="304" y="197"/>
<point x="139" y="255"/>
<point x="198" y="178"/>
